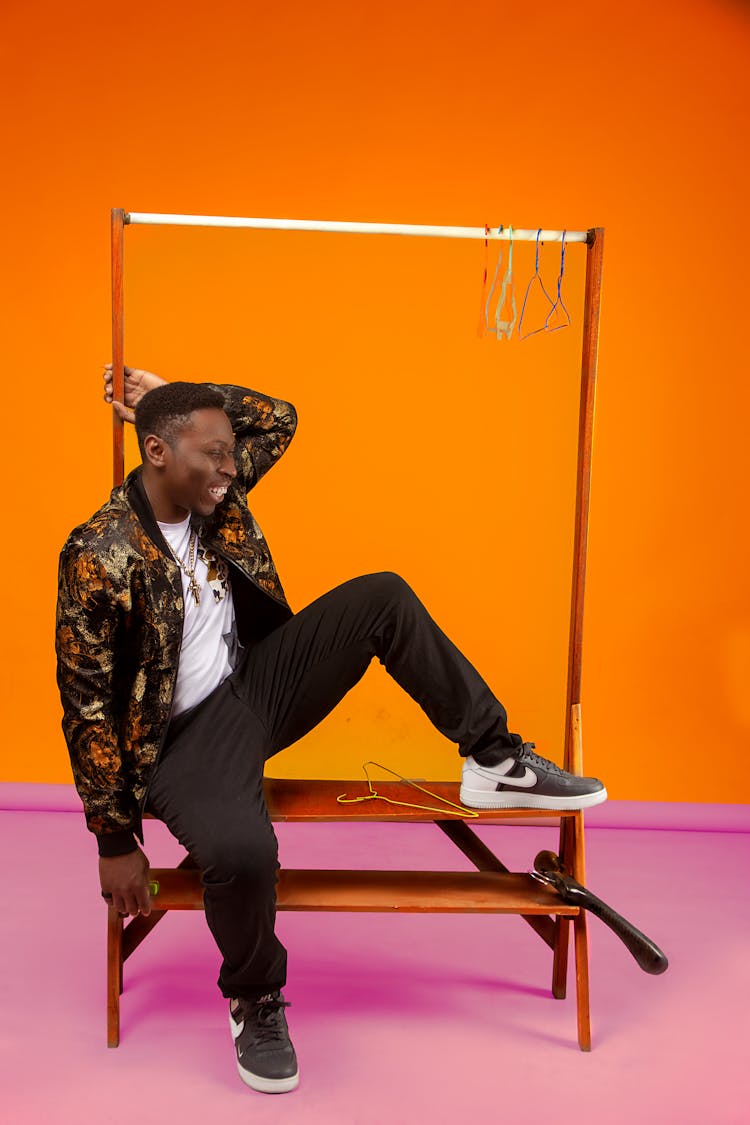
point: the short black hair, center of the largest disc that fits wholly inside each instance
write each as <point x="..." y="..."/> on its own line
<point x="166" y="410"/>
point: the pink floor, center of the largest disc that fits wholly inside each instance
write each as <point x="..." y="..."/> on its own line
<point x="395" y="1018"/>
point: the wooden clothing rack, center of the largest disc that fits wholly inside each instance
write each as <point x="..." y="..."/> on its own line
<point x="492" y="888"/>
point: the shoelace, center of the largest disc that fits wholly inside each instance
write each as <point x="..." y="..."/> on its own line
<point x="267" y="1022"/>
<point x="525" y="754"/>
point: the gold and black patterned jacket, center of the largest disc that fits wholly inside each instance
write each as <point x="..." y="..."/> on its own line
<point x="120" y="618"/>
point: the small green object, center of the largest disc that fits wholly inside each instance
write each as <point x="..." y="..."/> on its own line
<point x="153" y="888"/>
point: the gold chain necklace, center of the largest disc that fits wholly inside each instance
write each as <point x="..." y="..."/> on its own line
<point x="188" y="565"/>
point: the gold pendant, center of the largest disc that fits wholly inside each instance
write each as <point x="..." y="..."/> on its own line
<point x="195" y="590"/>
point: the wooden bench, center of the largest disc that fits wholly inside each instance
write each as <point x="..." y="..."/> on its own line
<point x="491" y="889"/>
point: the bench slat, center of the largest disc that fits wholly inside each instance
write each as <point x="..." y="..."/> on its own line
<point x="299" y="799"/>
<point x="444" y="892"/>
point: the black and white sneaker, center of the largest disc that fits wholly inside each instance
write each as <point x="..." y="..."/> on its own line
<point x="524" y="780"/>
<point x="265" y="1056"/>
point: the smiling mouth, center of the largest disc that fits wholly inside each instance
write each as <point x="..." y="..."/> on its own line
<point x="218" y="492"/>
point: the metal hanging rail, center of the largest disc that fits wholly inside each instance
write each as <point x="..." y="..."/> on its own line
<point x="502" y="234"/>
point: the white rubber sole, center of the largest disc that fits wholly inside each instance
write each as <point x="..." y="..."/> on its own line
<point x="256" y="1081"/>
<point x="268" y="1085"/>
<point x="491" y="799"/>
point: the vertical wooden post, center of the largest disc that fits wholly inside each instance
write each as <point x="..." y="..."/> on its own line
<point x="580" y="938"/>
<point x="571" y="852"/>
<point x="114" y="975"/>
<point x="581" y="943"/>
<point x="592" y="301"/>
<point x="560" y="957"/>
<point x="575" y="862"/>
<point x="571" y="834"/>
<point x="118" y="342"/>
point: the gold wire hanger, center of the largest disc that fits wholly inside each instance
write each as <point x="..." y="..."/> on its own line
<point x="374" y="795"/>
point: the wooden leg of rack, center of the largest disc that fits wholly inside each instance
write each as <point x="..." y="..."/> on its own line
<point x="114" y="976"/>
<point x="560" y="958"/>
<point x="580" y="929"/>
<point x="562" y="926"/>
<point x="582" y="981"/>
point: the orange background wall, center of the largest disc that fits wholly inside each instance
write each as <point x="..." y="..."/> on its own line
<point x="421" y="447"/>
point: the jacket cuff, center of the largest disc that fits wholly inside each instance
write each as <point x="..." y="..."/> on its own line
<point x="120" y="842"/>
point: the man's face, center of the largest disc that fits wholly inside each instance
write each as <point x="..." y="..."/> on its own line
<point x="198" y="467"/>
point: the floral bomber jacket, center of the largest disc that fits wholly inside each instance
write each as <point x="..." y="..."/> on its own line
<point x="120" y="618"/>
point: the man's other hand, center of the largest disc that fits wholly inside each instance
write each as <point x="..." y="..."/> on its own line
<point x="125" y="878"/>
<point x="137" y="383"/>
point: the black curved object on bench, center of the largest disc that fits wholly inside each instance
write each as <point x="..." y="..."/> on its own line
<point x="647" y="954"/>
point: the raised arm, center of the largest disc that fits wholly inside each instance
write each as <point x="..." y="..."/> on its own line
<point x="263" y="428"/>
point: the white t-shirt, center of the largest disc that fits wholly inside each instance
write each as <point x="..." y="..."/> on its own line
<point x="207" y="637"/>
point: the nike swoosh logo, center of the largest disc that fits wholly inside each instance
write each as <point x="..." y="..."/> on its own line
<point x="529" y="778"/>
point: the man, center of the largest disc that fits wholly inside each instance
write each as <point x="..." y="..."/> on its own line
<point x="182" y="669"/>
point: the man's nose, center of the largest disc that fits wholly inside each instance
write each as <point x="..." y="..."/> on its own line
<point x="228" y="466"/>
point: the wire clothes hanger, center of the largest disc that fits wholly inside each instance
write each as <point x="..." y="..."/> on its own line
<point x="536" y="277"/>
<point x="501" y="327"/>
<point x="374" y="795"/>
<point x="486" y="319"/>
<point x="559" y="303"/>
<point x="505" y="327"/>
<point x="484" y="310"/>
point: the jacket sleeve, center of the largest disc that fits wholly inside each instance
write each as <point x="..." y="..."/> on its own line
<point x="87" y="624"/>
<point x="263" y="428"/>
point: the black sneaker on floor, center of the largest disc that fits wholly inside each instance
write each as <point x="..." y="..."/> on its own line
<point x="524" y="780"/>
<point x="265" y="1056"/>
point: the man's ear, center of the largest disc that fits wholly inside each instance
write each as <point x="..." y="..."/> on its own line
<point x="155" y="450"/>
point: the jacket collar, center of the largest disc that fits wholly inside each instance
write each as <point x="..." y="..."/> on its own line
<point x="139" y="502"/>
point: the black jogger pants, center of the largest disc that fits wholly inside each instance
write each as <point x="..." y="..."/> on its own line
<point x="208" y="784"/>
